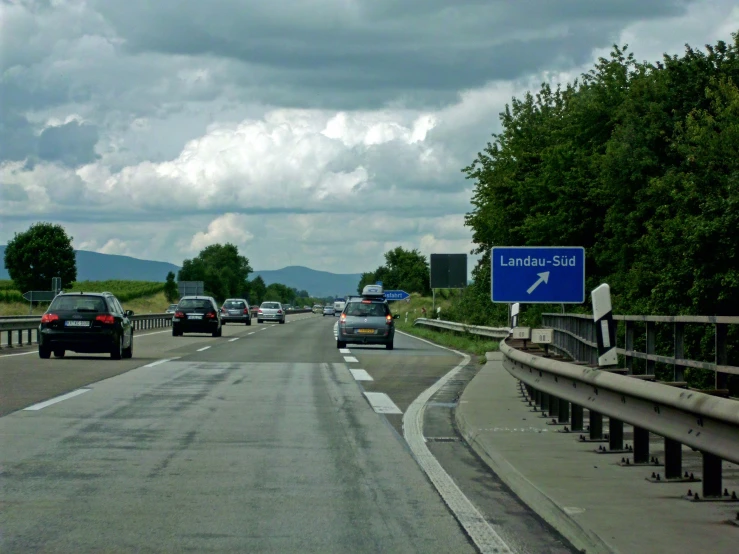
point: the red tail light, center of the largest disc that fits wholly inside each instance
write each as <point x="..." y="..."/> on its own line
<point x="48" y="318"/>
<point x="389" y="319"/>
<point x="246" y="311"/>
<point x="106" y="319"/>
<point x="223" y="310"/>
<point x="342" y="319"/>
<point x="279" y="311"/>
<point x="210" y="315"/>
<point x="259" y="311"/>
<point x="179" y="314"/>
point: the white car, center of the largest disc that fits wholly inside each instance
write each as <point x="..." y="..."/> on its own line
<point x="328" y="310"/>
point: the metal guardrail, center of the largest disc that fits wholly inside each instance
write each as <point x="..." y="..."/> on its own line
<point x="701" y="421"/>
<point x="17" y="325"/>
<point x="493" y="332"/>
<point x="574" y="335"/>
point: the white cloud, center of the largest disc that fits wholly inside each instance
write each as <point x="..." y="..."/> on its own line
<point x="229" y="227"/>
<point x="196" y="150"/>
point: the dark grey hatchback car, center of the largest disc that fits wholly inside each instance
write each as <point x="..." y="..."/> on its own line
<point x="86" y="322"/>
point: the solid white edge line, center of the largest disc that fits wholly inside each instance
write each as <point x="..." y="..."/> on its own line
<point x="235" y="339"/>
<point x="480" y="531"/>
<point x="46" y="403"/>
<point x="202" y="349"/>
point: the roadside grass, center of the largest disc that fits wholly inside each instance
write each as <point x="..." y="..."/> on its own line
<point x="152" y="304"/>
<point x="470" y="344"/>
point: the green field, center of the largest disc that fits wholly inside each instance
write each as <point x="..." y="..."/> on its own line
<point x="136" y="295"/>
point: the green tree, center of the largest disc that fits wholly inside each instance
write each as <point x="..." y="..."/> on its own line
<point x="221" y="267"/>
<point x="257" y="290"/>
<point x="34" y="256"/>
<point x="170" y="288"/>
<point x="406" y="270"/>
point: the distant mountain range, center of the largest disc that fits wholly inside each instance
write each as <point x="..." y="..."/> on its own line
<point x="93" y="266"/>
<point x="321" y="284"/>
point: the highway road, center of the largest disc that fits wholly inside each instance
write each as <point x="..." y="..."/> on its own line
<point x="267" y="439"/>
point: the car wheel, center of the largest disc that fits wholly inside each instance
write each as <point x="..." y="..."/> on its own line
<point x="117" y="352"/>
<point x="389" y="346"/>
<point x="59" y="353"/>
<point x="128" y="352"/>
<point x="44" y="353"/>
<point x="218" y="332"/>
<point x="340" y="344"/>
<point x="248" y="321"/>
<point x="259" y="321"/>
<point x="282" y="321"/>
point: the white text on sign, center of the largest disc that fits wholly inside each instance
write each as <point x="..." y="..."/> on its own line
<point x="528" y="261"/>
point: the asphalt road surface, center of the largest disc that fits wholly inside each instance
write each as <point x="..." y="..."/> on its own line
<point x="262" y="440"/>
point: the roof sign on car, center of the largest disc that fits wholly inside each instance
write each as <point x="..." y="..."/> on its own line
<point x="372" y="290"/>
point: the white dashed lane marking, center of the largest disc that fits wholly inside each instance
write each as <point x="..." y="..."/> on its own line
<point x="345" y="351"/>
<point x="350" y="359"/>
<point x="361" y="375"/>
<point x="42" y="405"/>
<point x="234" y="340"/>
<point x="203" y="348"/>
<point x="381" y="403"/>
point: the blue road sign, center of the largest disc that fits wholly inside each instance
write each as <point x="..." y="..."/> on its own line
<point x="538" y="274"/>
<point x="396" y="295"/>
<point x="378" y="283"/>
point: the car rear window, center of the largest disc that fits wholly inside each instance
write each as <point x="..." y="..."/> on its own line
<point x="234" y="305"/>
<point x="271" y="305"/>
<point x="192" y="303"/>
<point x="81" y="303"/>
<point x="362" y="309"/>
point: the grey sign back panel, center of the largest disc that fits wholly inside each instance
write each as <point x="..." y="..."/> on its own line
<point x="191" y="288"/>
<point x="448" y="271"/>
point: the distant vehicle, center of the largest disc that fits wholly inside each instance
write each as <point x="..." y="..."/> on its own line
<point x="306" y="307"/>
<point x="329" y="310"/>
<point x="172" y="308"/>
<point x="271" y="311"/>
<point x="87" y="323"/>
<point x="339" y="304"/>
<point x="236" y="310"/>
<point x="317" y="309"/>
<point x="367" y="320"/>
<point x="197" y="314"/>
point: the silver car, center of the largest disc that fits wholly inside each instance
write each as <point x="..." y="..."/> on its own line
<point x="366" y="320"/>
<point x="328" y="310"/>
<point x="236" y="310"/>
<point x="271" y="311"/>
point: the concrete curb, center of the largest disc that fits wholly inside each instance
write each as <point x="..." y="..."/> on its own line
<point x="583" y="539"/>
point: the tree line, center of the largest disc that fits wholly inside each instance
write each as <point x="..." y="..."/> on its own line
<point x="45" y="250"/>
<point x="403" y="269"/>
<point x="639" y="163"/>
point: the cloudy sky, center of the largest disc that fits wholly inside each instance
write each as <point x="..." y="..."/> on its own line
<point x="318" y="133"/>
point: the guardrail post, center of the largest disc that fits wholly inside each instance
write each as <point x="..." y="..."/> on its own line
<point x="10" y="339"/>
<point x="544" y="403"/>
<point x="679" y="370"/>
<point x="641" y="445"/>
<point x="711" y="475"/>
<point x="673" y="459"/>
<point x="722" y="379"/>
<point x="651" y="339"/>
<point x="629" y="346"/>
<point x="577" y="418"/>
<point x="563" y="415"/>
<point x="553" y="405"/>
<point x="30" y="336"/>
<point x="596" y="425"/>
<point x="537" y="399"/>
<point x="615" y="434"/>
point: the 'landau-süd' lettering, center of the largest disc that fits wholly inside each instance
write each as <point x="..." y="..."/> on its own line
<point x="528" y="261"/>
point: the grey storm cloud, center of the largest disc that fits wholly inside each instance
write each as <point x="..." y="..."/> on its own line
<point x="71" y="144"/>
<point x="431" y="45"/>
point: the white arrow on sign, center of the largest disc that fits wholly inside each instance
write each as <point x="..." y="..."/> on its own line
<point x="543" y="277"/>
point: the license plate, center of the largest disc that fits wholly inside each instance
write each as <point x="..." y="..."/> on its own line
<point x="234" y="312"/>
<point x="76" y="323"/>
<point x="194" y="316"/>
<point x="366" y="331"/>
